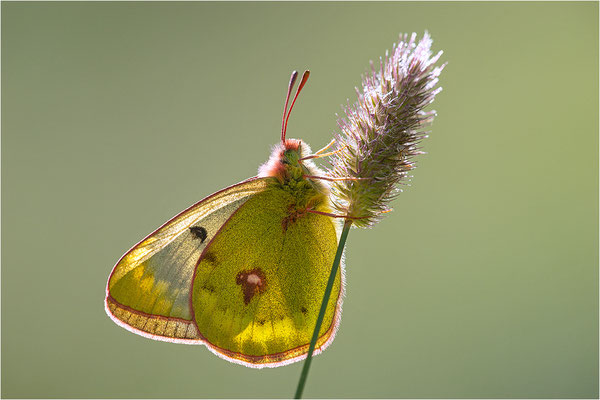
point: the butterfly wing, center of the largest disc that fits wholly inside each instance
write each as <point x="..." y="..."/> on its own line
<point x="258" y="287"/>
<point x="148" y="291"/>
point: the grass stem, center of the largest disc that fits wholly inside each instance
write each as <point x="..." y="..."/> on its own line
<point x="315" y="337"/>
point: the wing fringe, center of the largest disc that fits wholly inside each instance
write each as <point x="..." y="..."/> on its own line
<point x="155" y="327"/>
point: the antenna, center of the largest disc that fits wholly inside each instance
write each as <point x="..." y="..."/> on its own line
<point x="287" y="98"/>
<point x="305" y="76"/>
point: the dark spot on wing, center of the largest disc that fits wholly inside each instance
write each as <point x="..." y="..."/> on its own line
<point x="199" y="233"/>
<point x="261" y="322"/>
<point x="209" y="289"/>
<point x="209" y="257"/>
<point x="304" y="310"/>
<point x="251" y="282"/>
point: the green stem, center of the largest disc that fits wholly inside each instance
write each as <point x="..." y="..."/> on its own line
<point x="315" y="337"/>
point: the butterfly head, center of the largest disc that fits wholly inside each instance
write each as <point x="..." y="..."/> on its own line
<point x="286" y="161"/>
<point x="291" y="152"/>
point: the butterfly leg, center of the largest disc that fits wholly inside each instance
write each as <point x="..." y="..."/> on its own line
<point x="341" y="216"/>
<point x="325" y="148"/>
<point x="326" y="178"/>
<point x="321" y="154"/>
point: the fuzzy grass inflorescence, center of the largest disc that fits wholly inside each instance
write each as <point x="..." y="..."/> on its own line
<point x="380" y="133"/>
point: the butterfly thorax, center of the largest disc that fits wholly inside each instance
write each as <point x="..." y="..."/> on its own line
<point x="295" y="175"/>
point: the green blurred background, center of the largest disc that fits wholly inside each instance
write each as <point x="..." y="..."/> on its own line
<point x="482" y="283"/>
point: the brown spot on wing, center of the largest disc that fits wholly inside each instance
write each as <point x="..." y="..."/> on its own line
<point x="252" y="282"/>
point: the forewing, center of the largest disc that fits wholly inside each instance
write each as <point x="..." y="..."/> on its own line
<point x="148" y="291"/>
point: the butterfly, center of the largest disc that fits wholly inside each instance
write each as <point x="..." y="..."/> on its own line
<point x="244" y="270"/>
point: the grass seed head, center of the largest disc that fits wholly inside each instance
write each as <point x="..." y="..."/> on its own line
<point x="380" y="133"/>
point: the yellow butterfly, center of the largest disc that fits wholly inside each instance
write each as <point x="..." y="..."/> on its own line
<point x="244" y="270"/>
